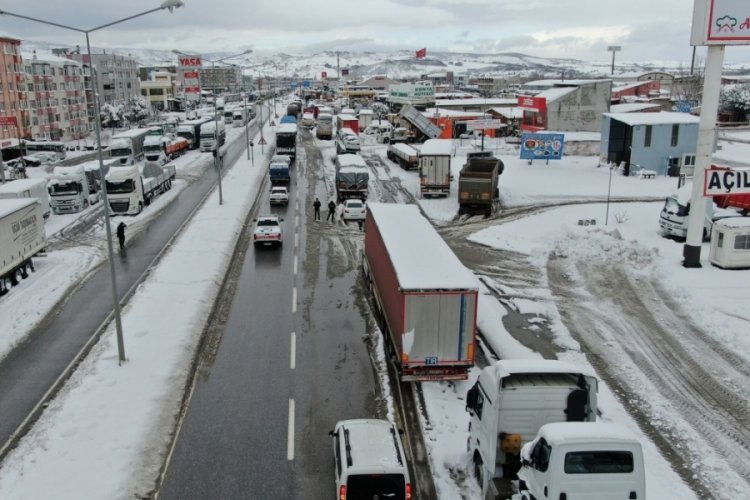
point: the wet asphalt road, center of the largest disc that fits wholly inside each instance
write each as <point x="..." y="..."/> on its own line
<point x="286" y="363"/>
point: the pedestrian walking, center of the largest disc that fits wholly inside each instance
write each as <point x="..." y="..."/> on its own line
<point x="331" y="210"/>
<point x="340" y="212"/>
<point x="360" y="223"/>
<point x="316" y="207"/>
<point x="121" y="234"/>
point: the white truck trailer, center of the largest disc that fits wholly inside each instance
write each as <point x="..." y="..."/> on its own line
<point x="22" y="236"/>
<point x="435" y="167"/>
<point x="510" y="402"/>
<point x="69" y="190"/>
<point x="27" y="188"/>
<point x="131" y="188"/>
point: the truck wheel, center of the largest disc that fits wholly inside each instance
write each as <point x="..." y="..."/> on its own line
<point x="479" y="470"/>
<point x="140" y="208"/>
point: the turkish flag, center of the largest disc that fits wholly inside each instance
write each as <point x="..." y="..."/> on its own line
<point x="422" y="53"/>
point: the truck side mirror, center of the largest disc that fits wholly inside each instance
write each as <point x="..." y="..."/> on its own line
<point x="471" y="398"/>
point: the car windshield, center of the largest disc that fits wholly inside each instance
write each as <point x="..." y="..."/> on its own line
<point x="268" y="222"/>
<point x="354" y="204"/>
<point x="278" y="191"/>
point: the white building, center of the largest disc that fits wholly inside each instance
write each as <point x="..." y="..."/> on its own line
<point x="55" y="97"/>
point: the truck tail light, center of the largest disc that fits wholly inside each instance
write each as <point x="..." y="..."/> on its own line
<point x="342" y="492"/>
<point x="408" y="491"/>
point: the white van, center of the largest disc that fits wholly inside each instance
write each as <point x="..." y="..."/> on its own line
<point x="369" y="460"/>
<point x="583" y="460"/>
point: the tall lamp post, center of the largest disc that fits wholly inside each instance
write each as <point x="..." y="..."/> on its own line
<point x="613" y="49"/>
<point x="166" y="4"/>
<point x="216" y="119"/>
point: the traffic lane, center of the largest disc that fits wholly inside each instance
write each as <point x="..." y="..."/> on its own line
<point x="29" y="371"/>
<point x="234" y="438"/>
<point x="334" y="374"/>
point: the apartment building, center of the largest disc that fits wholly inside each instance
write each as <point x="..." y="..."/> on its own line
<point x="158" y="90"/>
<point x="12" y="89"/>
<point x="55" y="97"/>
<point x="116" y="76"/>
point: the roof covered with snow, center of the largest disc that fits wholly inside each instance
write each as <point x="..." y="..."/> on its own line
<point x="632" y="107"/>
<point x="507" y="367"/>
<point x="422" y="260"/>
<point x="661" y="118"/>
<point x="586" y="432"/>
<point x="21" y="185"/>
<point x="48" y="58"/>
<point x="432" y="112"/>
<point x="734" y="222"/>
<point x="287" y="128"/>
<point x="556" y="93"/>
<point x="477" y="102"/>
<point x="436" y="147"/>
<point x="9" y="206"/>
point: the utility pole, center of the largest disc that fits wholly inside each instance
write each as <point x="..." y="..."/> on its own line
<point x="338" y="66"/>
<point x="614" y="49"/>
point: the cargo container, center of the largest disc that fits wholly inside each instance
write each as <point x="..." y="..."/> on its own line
<point x="404" y="155"/>
<point x="27" y="188"/>
<point x="286" y="140"/>
<point x="22" y="236"/>
<point x="424" y="294"/>
<point x="435" y="167"/>
<point x="347" y="121"/>
<point x="352" y="177"/>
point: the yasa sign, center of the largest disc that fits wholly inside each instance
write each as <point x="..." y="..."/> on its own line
<point x="723" y="181"/>
<point x="191" y="61"/>
<point x="720" y="22"/>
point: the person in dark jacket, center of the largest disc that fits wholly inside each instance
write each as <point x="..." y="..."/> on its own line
<point x="316" y="207"/>
<point x="121" y="234"/>
<point x="331" y="211"/>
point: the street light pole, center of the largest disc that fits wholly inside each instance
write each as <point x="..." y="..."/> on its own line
<point x="167" y="4"/>
<point x="614" y="49"/>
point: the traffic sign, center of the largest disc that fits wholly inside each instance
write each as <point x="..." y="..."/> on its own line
<point x="484" y="124"/>
<point x="273" y="123"/>
<point x="306" y="83"/>
<point x="262" y="141"/>
<point x="723" y="181"/>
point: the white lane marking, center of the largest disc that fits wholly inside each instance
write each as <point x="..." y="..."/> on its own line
<point x="296" y="240"/>
<point x="293" y="353"/>
<point x="295" y="265"/>
<point x="296" y="222"/>
<point x="294" y="299"/>
<point x="290" y="432"/>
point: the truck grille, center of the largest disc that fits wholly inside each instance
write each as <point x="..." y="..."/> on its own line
<point x="119" y="206"/>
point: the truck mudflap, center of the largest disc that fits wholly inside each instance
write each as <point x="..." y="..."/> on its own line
<point x="425" y="373"/>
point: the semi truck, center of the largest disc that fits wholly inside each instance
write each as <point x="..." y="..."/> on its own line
<point x="288" y="119"/>
<point x="404" y="155"/>
<point x="69" y="190"/>
<point x="425" y="296"/>
<point x="126" y="148"/>
<point x="510" y="402"/>
<point x="27" y="188"/>
<point x="352" y="177"/>
<point x="294" y="109"/>
<point x="286" y="140"/>
<point x="477" y="184"/>
<point x="22" y="236"/>
<point x="213" y="135"/>
<point x="324" y="127"/>
<point x="191" y="131"/>
<point x="131" y="188"/>
<point x="278" y="170"/>
<point x="435" y="167"/>
<point x="161" y="149"/>
<point x="93" y="172"/>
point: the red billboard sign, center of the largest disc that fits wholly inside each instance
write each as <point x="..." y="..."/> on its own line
<point x="323" y="74"/>
<point x="530" y="103"/>
<point x="192" y="74"/>
<point x="192" y="90"/>
<point x="8" y="120"/>
<point x="191" y="61"/>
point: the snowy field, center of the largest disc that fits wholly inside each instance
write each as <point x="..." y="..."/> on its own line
<point x="103" y="436"/>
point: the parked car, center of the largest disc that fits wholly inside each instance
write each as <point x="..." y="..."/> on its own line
<point x="369" y="460"/>
<point x="45" y="157"/>
<point x="268" y="231"/>
<point x="354" y="209"/>
<point x="279" y="196"/>
<point x="30" y="161"/>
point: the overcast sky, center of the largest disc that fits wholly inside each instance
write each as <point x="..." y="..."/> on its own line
<point x="647" y="30"/>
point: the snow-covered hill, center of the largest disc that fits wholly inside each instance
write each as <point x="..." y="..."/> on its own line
<point x="403" y="64"/>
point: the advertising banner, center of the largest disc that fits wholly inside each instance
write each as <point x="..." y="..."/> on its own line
<point x="189" y="76"/>
<point x="542" y="146"/>
<point x="722" y="181"/>
<point x="720" y="22"/>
